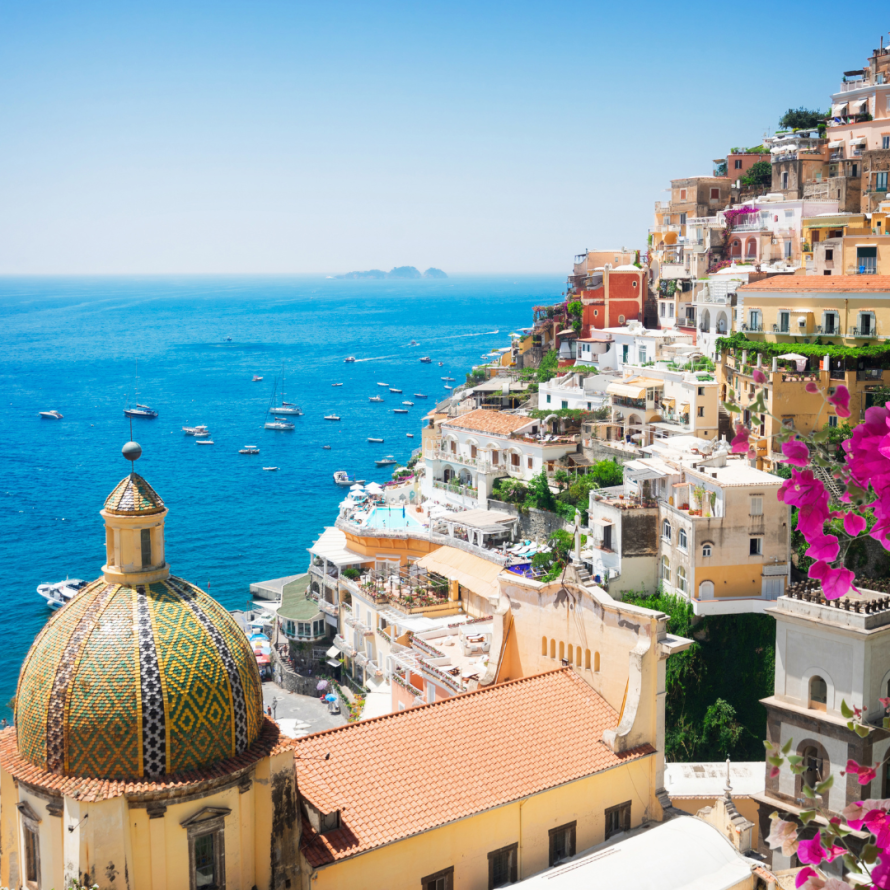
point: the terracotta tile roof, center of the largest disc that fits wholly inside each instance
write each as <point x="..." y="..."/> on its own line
<point x="868" y="284"/>
<point x="485" y="421"/>
<point x="413" y="770"/>
<point x="270" y="742"/>
<point x="133" y="495"/>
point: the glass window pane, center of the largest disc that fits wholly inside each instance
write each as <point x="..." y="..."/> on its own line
<point x="205" y="867"/>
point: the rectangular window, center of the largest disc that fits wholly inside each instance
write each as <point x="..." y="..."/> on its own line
<point x="881" y="181"/>
<point x="548" y="399"/>
<point x="624" y="353"/>
<point x="502" y="867"/>
<point x="205" y="861"/>
<point x="755" y="547"/>
<point x="682" y="219"/>
<point x="787" y="250"/>
<point x="530" y="463"/>
<point x="784" y="319"/>
<point x="441" y="880"/>
<point x="642" y="354"/>
<point x="670" y="310"/>
<point x="737" y="164"/>
<point x="885" y="142"/>
<point x="31" y="855"/>
<point x="701" y="390"/>
<point x="562" y="843"/>
<point x="682" y="194"/>
<point x="617" y="819"/>
<point x="865" y="324"/>
<point x="715" y="194"/>
<point x="514" y="460"/>
<point x="662" y="307"/>
<point x="757" y="506"/>
<point x="145" y="540"/>
<point x="701" y="410"/>
<point x="565" y="404"/>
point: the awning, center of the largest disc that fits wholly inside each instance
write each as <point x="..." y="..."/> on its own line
<point x="629" y="391"/>
<point x="862" y="106"/>
<point x="859" y="140"/>
<point x="839" y="109"/>
<point x="836" y="144"/>
<point x="684" y="407"/>
<point x="680" y="485"/>
<point x="668" y="403"/>
<point x="793" y="357"/>
<point x="333" y="652"/>
<point x="332" y="547"/>
<point x="472" y="572"/>
<point x="638" y="470"/>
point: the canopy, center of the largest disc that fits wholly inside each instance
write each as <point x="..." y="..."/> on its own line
<point x="668" y="403"/>
<point x="628" y="390"/>
<point x="356" y="487"/>
<point x="262" y="659"/>
<point x="333" y="652"/>
<point x="836" y="144"/>
<point x="862" y="105"/>
<point x="684" y="407"/>
<point x="859" y="140"/>
<point x="839" y="109"/>
<point x="472" y="572"/>
<point x="332" y="546"/>
<point x="793" y="357"/>
<point x="374" y="488"/>
<point x="638" y="470"/>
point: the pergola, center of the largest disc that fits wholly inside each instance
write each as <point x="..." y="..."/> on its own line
<point x="476" y="525"/>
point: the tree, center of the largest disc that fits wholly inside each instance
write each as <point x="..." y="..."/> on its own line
<point x="539" y="493"/>
<point x="721" y="730"/>
<point x="548" y="367"/>
<point x="561" y="478"/>
<point x="801" y="119"/>
<point x="760" y="174"/>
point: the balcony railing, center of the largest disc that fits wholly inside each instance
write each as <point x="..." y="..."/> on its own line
<point x="851" y="85"/>
<point x="455" y="488"/>
<point x="625" y="402"/>
<point x="862" y="333"/>
<point x="361" y="659"/>
<point x="870" y="374"/>
<point x="343" y="646"/>
<point x="328" y="608"/>
<point x="753" y="327"/>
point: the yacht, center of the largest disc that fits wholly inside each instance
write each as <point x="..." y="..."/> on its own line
<point x="376" y="399"/>
<point x="399" y="410"/>
<point x="249" y="449"/>
<point x="271" y="469"/>
<point x="448" y="379"/>
<point x="426" y="360"/>
<point x="387" y="461"/>
<point x="56" y="595"/>
<point x="408" y="403"/>
<point x="349" y="359"/>
<point x="332" y="417"/>
<point x="279" y="423"/>
<point x="228" y="339"/>
<point x="196" y="430"/>
<point x="447" y="386"/>
<point x="383" y="384"/>
<point x="420" y="395"/>
<point x="256" y="378"/>
<point x="341" y="477"/>
<point x="326" y="447"/>
<point x="392" y="389"/>
<point x="372" y="439"/>
<point x="441" y="364"/>
<point x="139" y="410"/>
<point x="287" y="408"/>
<point x="54" y="415"/>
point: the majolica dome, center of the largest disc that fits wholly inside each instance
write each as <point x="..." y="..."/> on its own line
<point x="137" y="680"/>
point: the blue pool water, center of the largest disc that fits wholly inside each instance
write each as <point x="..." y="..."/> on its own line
<point x="391" y="517"/>
<point x="70" y="344"/>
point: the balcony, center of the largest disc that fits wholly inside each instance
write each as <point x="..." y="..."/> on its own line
<point x="675" y="270"/>
<point x="862" y="333"/>
<point x="870" y="374"/>
<point x="410" y="589"/>
<point x="328" y="608"/>
<point x="625" y="402"/>
<point x="361" y="659"/>
<point x="753" y="327"/>
<point x="456" y="488"/>
<point x="851" y="85"/>
<point x="346" y="648"/>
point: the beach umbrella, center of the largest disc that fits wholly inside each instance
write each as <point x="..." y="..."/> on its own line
<point x="374" y="488"/>
<point x="355" y="487"/>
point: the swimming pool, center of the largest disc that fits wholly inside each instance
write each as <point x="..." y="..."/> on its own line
<point x="391" y="517"/>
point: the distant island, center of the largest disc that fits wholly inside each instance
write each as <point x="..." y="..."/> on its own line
<point x="397" y="272"/>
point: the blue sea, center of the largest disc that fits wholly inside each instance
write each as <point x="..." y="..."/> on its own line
<point x="72" y="344"/>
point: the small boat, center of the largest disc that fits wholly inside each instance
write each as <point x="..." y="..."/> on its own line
<point x="326" y="447"/>
<point x="387" y="461"/>
<point x="408" y="403"/>
<point x="279" y="423"/>
<point x="376" y="399"/>
<point x="393" y="389"/>
<point x="204" y="442"/>
<point x="249" y="449"/>
<point x="448" y="379"/>
<point x="414" y="343"/>
<point x="199" y="430"/>
<point x="447" y="386"/>
<point x="51" y="415"/>
<point x="341" y="477"/>
<point x="410" y="435"/>
<point x="271" y="469"/>
<point x="332" y="417"/>
<point x="336" y="384"/>
<point x="56" y="595"/>
<point x="372" y="439"/>
<point x="228" y="339"/>
<point x="383" y="384"/>
<point x="349" y="359"/>
<point x="256" y="378"/>
<point x="420" y="395"/>
<point x="441" y="364"/>
<point x="426" y="360"/>
<point x="399" y="410"/>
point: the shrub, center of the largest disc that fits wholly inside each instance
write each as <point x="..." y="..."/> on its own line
<point x="801" y="119"/>
<point x="352" y="573"/>
<point x="760" y="174"/>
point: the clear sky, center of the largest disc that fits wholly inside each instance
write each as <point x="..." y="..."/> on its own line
<point x="326" y="136"/>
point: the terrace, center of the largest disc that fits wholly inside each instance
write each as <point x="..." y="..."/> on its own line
<point x="617" y="497"/>
<point x="410" y="589"/>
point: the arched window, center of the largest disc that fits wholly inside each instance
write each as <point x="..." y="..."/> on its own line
<point x="666" y="530"/>
<point x="682" y="543"/>
<point x="813" y="765"/>
<point x="562" y="651"/>
<point x="587" y="658"/>
<point x="681" y="578"/>
<point x="596" y="663"/>
<point x="735" y="248"/>
<point x="553" y="648"/>
<point x="751" y="248"/>
<point x="544" y="646"/>
<point x="665" y="569"/>
<point x="818" y="693"/>
<point x="706" y="590"/>
<point x="706" y="550"/>
<point x="571" y="653"/>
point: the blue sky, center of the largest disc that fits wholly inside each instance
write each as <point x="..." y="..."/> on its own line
<point x="322" y="137"/>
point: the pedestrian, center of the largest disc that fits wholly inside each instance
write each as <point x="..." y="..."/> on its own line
<point x="269" y="710"/>
<point x="274" y="707"/>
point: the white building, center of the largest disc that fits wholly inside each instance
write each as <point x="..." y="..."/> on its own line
<point x="576" y="391"/>
<point x="610" y="349"/>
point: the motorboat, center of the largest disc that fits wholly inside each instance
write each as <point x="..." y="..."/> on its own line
<point x="426" y="360"/>
<point x="332" y="417"/>
<point x="349" y="359"/>
<point x="447" y="386"/>
<point x="326" y="447"/>
<point x="448" y="379"/>
<point x="387" y="461"/>
<point x="411" y="404"/>
<point x="410" y="435"/>
<point x="414" y="343"/>
<point x="52" y="415"/>
<point x="271" y="469"/>
<point x="376" y="399"/>
<point x="140" y="411"/>
<point x="279" y="423"/>
<point x="204" y="442"/>
<point x="372" y="439"/>
<point x="341" y="477"/>
<point x="56" y="595"/>
<point x="336" y="384"/>
<point x="228" y="339"/>
<point x="399" y="410"/>
<point x="256" y="378"/>
<point x="441" y="364"/>
<point x="200" y="430"/>
<point x="382" y="384"/>
<point x="249" y="449"/>
<point x="393" y="389"/>
<point x="420" y="395"/>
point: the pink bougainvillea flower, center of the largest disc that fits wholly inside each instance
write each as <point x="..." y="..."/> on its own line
<point x="856" y="812"/>
<point x="783" y="836"/>
<point x="808" y="879"/>
<point x="880" y="874"/>
<point x="841" y="401"/>
<point x="796" y="453"/>
<point x="804" y="491"/>
<point x="740" y="442"/>
<point x="865" y="461"/>
<point x="865" y="773"/>
<point x="825" y="548"/>
<point x="812" y="388"/>
<point x="854" y="524"/>
<point x="835" y="582"/>
<point x="812" y="852"/>
<point x="885" y="702"/>
<point x="774" y="772"/>
<point x="759" y="376"/>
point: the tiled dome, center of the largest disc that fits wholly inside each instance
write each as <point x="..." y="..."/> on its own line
<point x="129" y="682"/>
<point x="133" y="496"/>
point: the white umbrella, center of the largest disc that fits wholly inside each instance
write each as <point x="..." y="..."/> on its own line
<point x="356" y="487"/>
<point x="793" y="357"/>
<point x="374" y="488"/>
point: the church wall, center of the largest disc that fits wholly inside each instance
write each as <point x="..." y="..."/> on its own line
<point x="9" y="842"/>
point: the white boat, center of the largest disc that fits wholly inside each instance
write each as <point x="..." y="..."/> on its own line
<point x="56" y="595"/>
<point x="140" y="410"/>
<point x="249" y="449"/>
<point x="326" y="447"/>
<point x="414" y="343"/>
<point x="349" y="359"/>
<point x="372" y="439"/>
<point x="447" y="386"/>
<point x="256" y="378"/>
<point x="387" y="461"/>
<point x="426" y="360"/>
<point x="441" y="364"/>
<point x="341" y="477"/>
<point x="410" y="435"/>
<point x="448" y="379"/>
<point x="336" y="384"/>
<point x="278" y="424"/>
<point x="392" y="389"/>
<point x="196" y="430"/>
<point x="420" y="395"/>
<point x="287" y="408"/>
<point x="376" y="399"/>
<point x="332" y="417"/>
<point x="382" y="384"/>
<point x="411" y="404"/>
<point x="54" y="415"/>
<point x="399" y="410"/>
<point x="271" y="469"/>
<point x="204" y="442"/>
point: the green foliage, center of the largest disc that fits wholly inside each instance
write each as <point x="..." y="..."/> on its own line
<point x="352" y="573"/>
<point x="739" y="341"/>
<point x="512" y="491"/>
<point x="801" y="119"/>
<point x="713" y="689"/>
<point x="539" y="493"/>
<point x="759" y="174"/>
<point x="547" y="368"/>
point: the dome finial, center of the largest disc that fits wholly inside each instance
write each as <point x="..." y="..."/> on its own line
<point x="132" y="451"/>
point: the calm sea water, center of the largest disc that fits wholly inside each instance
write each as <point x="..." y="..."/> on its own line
<point x="71" y="344"/>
